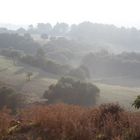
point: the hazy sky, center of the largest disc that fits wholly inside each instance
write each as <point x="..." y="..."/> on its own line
<point x="118" y="12"/>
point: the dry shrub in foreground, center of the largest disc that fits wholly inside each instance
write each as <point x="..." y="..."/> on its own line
<point x="68" y="122"/>
<point x="5" y="121"/>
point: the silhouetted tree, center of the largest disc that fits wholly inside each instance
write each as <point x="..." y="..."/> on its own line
<point x="70" y="91"/>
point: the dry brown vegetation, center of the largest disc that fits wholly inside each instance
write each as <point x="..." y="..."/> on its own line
<point x="68" y="122"/>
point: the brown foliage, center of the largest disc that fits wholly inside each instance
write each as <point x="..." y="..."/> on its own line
<point x="69" y="122"/>
<point x="5" y="120"/>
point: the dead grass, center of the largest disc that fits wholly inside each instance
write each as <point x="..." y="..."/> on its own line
<point x="68" y="122"/>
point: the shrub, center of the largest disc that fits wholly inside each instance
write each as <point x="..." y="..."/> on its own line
<point x="5" y="119"/>
<point x="74" y="92"/>
<point x="44" y="64"/>
<point x="9" y="98"/>
<point x="110" y="108"/>
<point x="136" y="103"/>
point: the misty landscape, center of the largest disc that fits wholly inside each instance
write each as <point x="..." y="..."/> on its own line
<point x="77" y="80"/>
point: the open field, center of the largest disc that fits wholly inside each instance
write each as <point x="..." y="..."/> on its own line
<point x="118" y="94"/>
<point x="16" y="76"/>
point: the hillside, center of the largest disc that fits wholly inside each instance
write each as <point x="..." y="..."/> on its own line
<point x="15" y="75"/>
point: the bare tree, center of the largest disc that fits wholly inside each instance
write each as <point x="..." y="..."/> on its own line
<point x="28" y="76"/>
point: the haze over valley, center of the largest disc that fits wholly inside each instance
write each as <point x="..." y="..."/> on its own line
<point x="69" y="70"/>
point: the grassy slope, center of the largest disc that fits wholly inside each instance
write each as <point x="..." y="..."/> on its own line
<point x="16" y="76"/>
<point x="122" y="95"/>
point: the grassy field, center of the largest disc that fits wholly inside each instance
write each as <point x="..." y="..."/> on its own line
<point x="118" y="94"/>
<point x="16" y="76"/>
